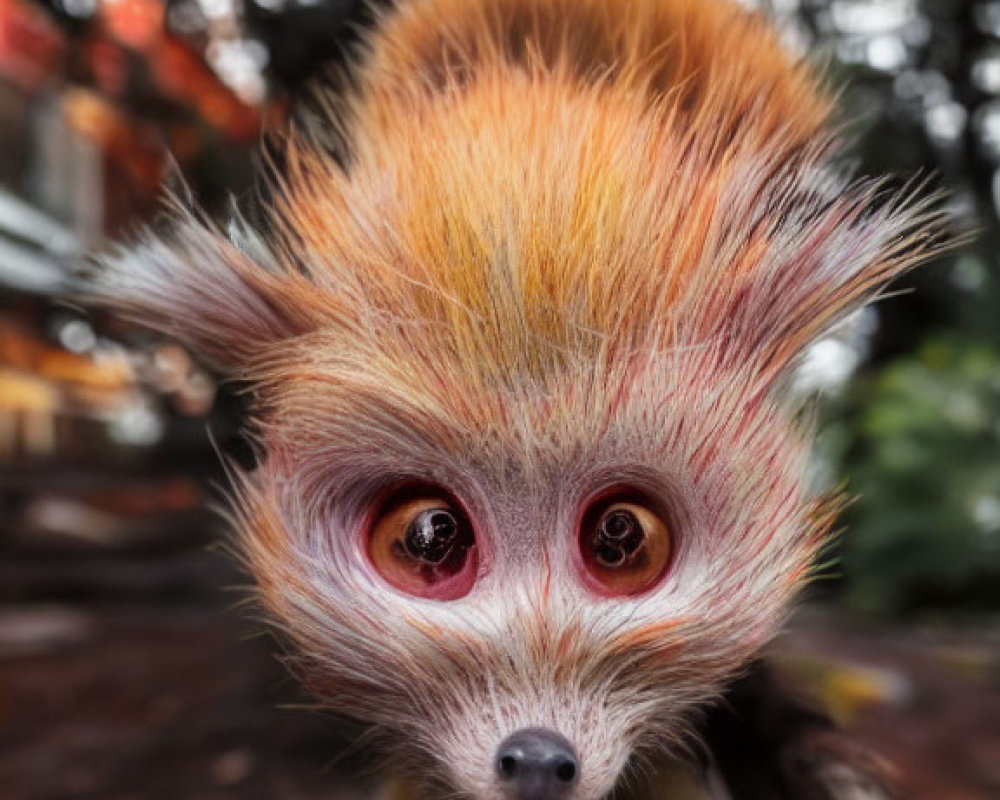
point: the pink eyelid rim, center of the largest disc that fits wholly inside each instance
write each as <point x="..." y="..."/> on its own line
<point x="470" y="573"/>
<point x="621" y="492"/>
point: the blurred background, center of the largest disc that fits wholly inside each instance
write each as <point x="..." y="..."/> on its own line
<point x="126" y="672"/>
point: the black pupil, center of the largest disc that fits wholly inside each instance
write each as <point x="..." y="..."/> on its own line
<point x="618" y="537"/>
<point x="432" y="535"/>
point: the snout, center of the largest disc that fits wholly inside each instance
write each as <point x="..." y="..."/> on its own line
<point x="536" y="764"/>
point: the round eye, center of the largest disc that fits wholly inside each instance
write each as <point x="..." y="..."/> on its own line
<point x="424" y="545"/>
<point x="625" y="544"/>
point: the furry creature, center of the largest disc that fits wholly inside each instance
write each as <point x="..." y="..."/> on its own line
<point x="530" y="496"/>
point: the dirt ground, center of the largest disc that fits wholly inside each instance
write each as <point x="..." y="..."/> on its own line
<point x="927" y="698"/>
<point x="155" y="689"/>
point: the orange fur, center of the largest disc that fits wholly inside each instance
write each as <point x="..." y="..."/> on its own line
<point x="576" y="243"/>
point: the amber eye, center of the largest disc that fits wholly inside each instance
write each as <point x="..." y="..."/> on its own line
<point x="423" y="544"/>
<point x="625" y="543"/>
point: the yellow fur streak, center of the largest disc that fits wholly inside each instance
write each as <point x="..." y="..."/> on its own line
<point x="572" y="244"/>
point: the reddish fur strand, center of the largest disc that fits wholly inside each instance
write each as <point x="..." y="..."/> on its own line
<point x="578" y="244"/>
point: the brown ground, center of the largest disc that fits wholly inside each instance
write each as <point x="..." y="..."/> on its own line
<point x="927" y="699"/>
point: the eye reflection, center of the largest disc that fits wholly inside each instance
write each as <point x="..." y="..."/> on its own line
<point x="625" y="543"/>
<point x="422" y="542"/>
<point x="618" y="537"/>
<point x="432" y="536"/>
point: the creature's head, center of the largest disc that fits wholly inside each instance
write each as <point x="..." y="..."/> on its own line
<point x="529" y="492"/>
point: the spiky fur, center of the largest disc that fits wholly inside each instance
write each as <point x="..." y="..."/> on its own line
<point x="575" y="243"/>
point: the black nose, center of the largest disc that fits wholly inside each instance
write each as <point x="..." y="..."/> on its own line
<point x="536" y="764"/>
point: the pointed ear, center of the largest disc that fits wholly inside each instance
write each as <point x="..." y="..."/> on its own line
<point x="818" y="259"/>
<point x="225" y="297"/>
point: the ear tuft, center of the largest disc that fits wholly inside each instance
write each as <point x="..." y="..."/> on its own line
<point x="226" y="297"/>
<point x="829" y="248"/>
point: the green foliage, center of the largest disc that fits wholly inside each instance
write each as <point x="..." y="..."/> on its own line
<point x="921" y="447"/>
<point x="917" y="435"/>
